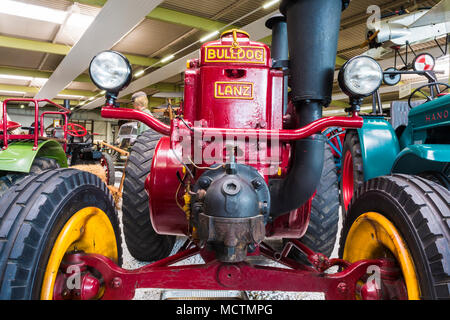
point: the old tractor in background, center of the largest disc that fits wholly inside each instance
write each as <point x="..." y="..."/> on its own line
<point x="28" y="150"/>
<point x="412" y="139"/>
<point x="241" y="164"/>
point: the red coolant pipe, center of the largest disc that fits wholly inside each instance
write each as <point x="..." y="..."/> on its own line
<point x="283" y="135"/>
<point x="131" y="114"/>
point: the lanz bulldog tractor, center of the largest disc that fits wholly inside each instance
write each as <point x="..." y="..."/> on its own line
<point x="236" y="168"/>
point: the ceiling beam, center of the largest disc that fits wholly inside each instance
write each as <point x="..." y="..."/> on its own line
<point x="172" y="16"/>
<point x="34" y="90"/>
<point x="24" y="72"/>
<point x="60" y="49"/>
<point x="57" y="101"/>
<point x="116" y="19"/>
<point x="160" y="87"/>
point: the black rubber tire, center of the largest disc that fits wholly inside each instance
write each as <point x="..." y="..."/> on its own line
<point x="420" y="210"/>
<point x="437" y="177"/>
<point x="352" y="145"/>
<point x="323" y="225"/>
<point x="142" y="241"/>
<point x="32" y="214"/>
<point x="111" y="173"/>
<point x="39" y="165"/>
<point x="43" y="164"/>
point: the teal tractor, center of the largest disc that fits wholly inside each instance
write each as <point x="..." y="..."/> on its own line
<point x="414" y="140"/>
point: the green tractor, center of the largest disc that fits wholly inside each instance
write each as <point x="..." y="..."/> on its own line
<point x="414" y="140"/>
<point x="28" y="150"/>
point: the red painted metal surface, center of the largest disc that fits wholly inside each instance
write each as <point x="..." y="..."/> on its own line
<point x="347" y="179"/>
<point x="10" y="125"/>
<point x="131" y="114"/>
<point x="236" y="83"/>
<point x="213" y="275"/>
<point x="161" y="185"/>
<point x="354" y="122"/>
<point x="292" y="225"/>
<point x="76" y="130"/>
<point x="287" y="135"/>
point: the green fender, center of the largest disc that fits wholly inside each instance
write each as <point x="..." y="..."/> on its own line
<point x="418" y="158"/>
<point x="19" y="156"/>
<point x="379" y="147"/>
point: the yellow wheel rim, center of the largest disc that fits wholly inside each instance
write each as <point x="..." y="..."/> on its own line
<point x="373" y="236"/>
<point x="89" y="230"/>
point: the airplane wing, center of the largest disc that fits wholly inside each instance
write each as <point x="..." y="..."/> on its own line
<point x="440" y="13"/>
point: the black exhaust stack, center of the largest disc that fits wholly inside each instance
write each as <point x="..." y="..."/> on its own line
<point x="67" y="104"/>
<point x="280" y="50"/>
<point x="313" y="31"/>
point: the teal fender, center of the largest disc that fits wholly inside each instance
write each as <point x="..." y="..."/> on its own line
<point x="418" y="158"/>
<point x="379" y="147"/>
<point x="19" y="156"/>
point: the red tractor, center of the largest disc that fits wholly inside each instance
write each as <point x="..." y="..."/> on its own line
<point x="239" y="165"/>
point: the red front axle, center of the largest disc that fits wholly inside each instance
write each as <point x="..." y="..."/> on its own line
<point x="121" y="284"/>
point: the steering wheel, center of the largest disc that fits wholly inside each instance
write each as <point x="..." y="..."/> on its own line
<point x="429" y="94"/>
<point x="75" y="130"/>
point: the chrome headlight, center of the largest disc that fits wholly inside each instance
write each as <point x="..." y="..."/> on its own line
<point x="360" y="77"/>
<point x="110" y="71"/>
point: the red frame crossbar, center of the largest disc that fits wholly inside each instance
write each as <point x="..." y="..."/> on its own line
<point x="120" y="284"/>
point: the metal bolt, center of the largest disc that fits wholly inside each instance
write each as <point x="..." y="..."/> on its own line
<point x="342" y="287"/>
<point x="257" y="183"/>
<point x="204" y="182"/>
<point x="116" y="282"/>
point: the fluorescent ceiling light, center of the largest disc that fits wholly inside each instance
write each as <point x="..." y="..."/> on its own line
<point x="39" y="82"/>
<point x="41" y="13"/>
<point x="270" y="3"/>
<point x="13" y="77"/>
<point x="209" y="36"/>
<point x="12" y="92"/>
<point x="79" y="20"/>
<point x="168" y="58"/>
<point x="31" y="11"/>
<point x="168" y="95"/>
<point x="70" y="96"/>
<point x="139" y="73"/>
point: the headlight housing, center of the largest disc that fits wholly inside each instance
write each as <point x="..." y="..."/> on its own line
<point x="110" y="71"/>
<point x="360" y="77"/>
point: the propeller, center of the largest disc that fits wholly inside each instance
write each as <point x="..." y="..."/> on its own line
<point x="370" y="38"/>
